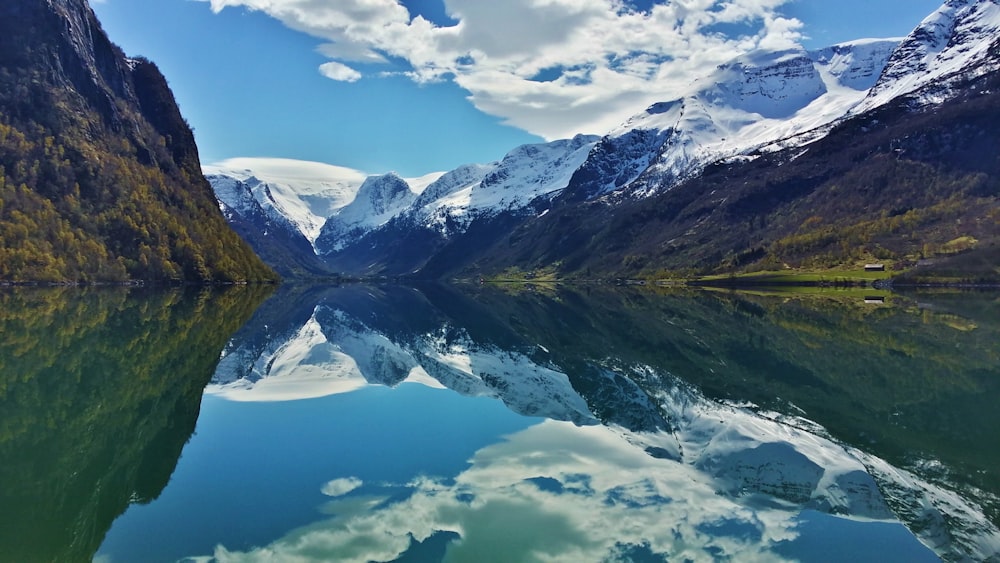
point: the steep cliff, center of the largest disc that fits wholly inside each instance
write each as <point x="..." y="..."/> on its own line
<point x="100" y="179"/>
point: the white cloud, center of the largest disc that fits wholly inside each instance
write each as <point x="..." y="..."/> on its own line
<point x="603" y="60"/>
<point x="340" y="72"/>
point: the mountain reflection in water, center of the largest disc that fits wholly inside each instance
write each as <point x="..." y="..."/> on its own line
<point x="383" y="423"/>
<point x="677" y="425"/>
<point x="99" y="391"/>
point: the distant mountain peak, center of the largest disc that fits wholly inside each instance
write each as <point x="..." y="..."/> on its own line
<point x="379" y="192"/>
<point x="379" y="199"/>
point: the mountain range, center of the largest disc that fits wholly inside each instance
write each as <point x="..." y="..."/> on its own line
<point x="872" y="150"/>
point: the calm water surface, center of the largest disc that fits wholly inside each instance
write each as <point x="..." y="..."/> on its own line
<point x="475" y="424"/>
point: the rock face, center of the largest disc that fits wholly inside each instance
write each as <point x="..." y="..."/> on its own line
<point x="102" y="180"/>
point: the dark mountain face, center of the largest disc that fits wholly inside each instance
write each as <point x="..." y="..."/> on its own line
<point x="101" y="178"/>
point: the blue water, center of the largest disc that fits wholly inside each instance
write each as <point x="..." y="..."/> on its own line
<point x="254" y="471"/>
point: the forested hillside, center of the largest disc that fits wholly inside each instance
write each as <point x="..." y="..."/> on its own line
<point x="100" y="179"/>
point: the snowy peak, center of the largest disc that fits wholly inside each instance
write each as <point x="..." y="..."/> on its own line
<point x="380" y="194"/>
<point x="378" y="200"/>
<point x="456" y="199"/>
<point x="460" y="178"/>
<point x="253" y="201"/>
<point x="960" y="41"/>
<point x="525" y="174"/>
<point x="302" y="193"/>
<point x="233" y="195"/>
<point x="857" y="64"/>
<point x="530" y="171"/>
<point x="753" y="101"/>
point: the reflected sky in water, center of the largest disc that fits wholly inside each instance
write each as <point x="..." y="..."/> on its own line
<point x="363" y="424"/>
<point x="452" y="424"/>
<point x="371" y="475"/>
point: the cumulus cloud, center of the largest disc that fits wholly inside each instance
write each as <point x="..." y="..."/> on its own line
<point x="552" y="67"/>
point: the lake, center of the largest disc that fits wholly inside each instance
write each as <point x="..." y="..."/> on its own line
<point x="497" y="423"/>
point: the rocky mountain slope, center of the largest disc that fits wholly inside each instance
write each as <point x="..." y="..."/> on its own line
<point x="101" y="180"/>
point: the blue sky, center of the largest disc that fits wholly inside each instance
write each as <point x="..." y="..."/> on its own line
<point x="427" y="85"/>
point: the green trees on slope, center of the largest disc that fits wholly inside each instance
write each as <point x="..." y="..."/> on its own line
<point x="100" y="179"/>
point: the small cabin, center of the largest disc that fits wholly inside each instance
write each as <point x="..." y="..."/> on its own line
<point x="875" y="300"/>
<point x="874" y="267"/>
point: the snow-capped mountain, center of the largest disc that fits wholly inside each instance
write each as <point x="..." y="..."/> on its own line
<point x="758" y="104"/>
<point x="378" y="200"/>
<point x="766" y="101"/>
<point x="448" y="205"/>
<point x="524" y="174"/>
<point x="755" y="100"/>
<point x="304" y="193"/>
<point x="959" y="42"/>
<point x="241" y="198"/>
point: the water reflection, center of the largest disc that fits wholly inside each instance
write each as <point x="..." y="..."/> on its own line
<point x="564" y="493"/>
<point x="474" y="424"/>
<point x="99" y="391"/>
<point x="678" y="425"/>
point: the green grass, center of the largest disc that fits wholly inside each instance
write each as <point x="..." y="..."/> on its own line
<point x="792" y="277"/>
